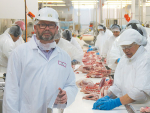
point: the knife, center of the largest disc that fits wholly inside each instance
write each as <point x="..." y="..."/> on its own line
<point x="129" y="108"/>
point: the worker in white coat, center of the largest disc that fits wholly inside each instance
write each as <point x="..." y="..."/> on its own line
<point x="66" y="34"/>
<point x="131" y="83"/>
<point x="116" y="52"/>
<point x="39" y="72"/>
<point x="75" y="54"/>
<point x="104" y="34"/>
<point x="21" y="24"/>
<point x="109" y="42"/>
<point x="7" y="45"/>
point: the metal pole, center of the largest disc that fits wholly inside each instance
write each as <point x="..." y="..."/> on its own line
<point x="25" y="22"/>
<point x="121" y="15"/>
<point x="139" y="10"/>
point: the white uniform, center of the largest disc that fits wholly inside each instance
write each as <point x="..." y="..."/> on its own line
<point x="19" y="41"/>
<point x="101" y="38"/>
<point x="132" y="76"/>
<point x="115" y="53"/>
<point x="32" y="80"/>
<point x="76" y="44"/>
<point x="73" y="52"/>
<point x="107" y="47"/>
<point x="6" y="47"/>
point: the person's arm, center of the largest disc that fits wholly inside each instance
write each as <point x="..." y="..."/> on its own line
<point x="11" y="94"/>
<point x="71" y="88"/>
<point x="8" y="47"/>
<point x="126" y="99"/>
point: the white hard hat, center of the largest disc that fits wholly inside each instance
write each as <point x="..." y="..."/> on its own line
<point x="47" y="14"/>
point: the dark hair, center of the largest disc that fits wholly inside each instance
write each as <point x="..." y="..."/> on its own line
<point x="104" y="28"/>
<point x="134" y="26"/>
<point x="17" y="32"/>
<point x="68" y="35"/>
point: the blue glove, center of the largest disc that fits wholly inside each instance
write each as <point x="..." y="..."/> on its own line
<point x="90" y="46"/>
<point x="100" y="100"/>
<point x="109" y="104"/>
<point x="97" y="53"/>
<point x="90" y="49"/>
<point x="118" y="60"/>
<point x="74" y="62"/>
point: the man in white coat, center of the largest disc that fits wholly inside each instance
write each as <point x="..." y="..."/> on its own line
<point x="7" y="45"/>
<point x="66" y="34"/>
<point x="109" y="42"/>
<point x="104" y="34"/>
<point x="131" y="83"/>
<point x="39" y="73"/>
<point x="21" y="24"/>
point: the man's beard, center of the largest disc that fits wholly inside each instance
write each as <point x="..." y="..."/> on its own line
<point x="44" y="38"/>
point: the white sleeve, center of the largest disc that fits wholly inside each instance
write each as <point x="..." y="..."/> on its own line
<point x="105" y="48"/>
<point x="70" y="87"/>
<point x="11" y="94"/>
<point x="76" y="44"/>
<point x="115" y="53"/>
<point x="7" y="47"/>
<point x="141" y="84"/>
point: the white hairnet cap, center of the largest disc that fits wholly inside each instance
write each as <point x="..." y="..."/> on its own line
<point x="130" y="35"/>
<point x="115" y="28"/>
<point x="134" y="21"/>
<point x="100" y="27"/>
<point x="140" y="27"/>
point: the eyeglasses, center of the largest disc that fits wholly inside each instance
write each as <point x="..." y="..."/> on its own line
<point x="43" y="26"/>
<point x="128" y="46"/>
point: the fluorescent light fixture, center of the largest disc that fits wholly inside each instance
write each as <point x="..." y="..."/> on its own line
<point x="54" y="5"/>
<point x="113" y="6"/>
<point x="84" y="6"/>
<point x="117" y="1"/>
<point x="52" y="1"/>
<point x="84" y="1"/>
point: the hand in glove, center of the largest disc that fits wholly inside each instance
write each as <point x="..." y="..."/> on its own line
<point x="109" y="104"/>
<point x="74" y="62"/>
<point x="90" y="49"/>
<point x="100" y="100"/>
<point x="118" y="60"/>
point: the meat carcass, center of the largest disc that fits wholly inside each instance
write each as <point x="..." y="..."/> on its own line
<point x="145" y="110"/>
<point x="84" y="82"/>
<point x="92" y="96"/>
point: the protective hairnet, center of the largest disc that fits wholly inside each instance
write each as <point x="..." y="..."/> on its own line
<point x="115" y="28"/>
<point x="100" y="27"/>
<point x="67" y="34"/>
<point x="130" y="35"/>
<point x="58" y="35"/>
<point x="15" y="29"/>
<point x="21" y="24"/>
<point x="139" y="28"/>
<point x="134" y="21"/>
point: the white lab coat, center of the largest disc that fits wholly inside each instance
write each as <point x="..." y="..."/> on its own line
<point x="107" y="47"/>
<point x="19" y="41"/>
<point x="76" y="44"/>
<point x="101" y="38"/>
<point x="73" y="52"/>
<point x="115" y="53"/>
<point x="132" y="76"/>
<point x="6" y="47"/>
<point x="32" y="80"/>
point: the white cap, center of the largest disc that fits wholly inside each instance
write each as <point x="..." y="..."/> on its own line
<point x="47" y="14"/>
<point x="131" y="35"/>
<point x="100" y="27"/>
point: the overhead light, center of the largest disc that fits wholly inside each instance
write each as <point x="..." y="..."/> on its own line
<point x="52" y="1"/>
<point x="84" y="6"/>
<point x="84" y="1"/>
<point x="54" y="5"/>
<point x="113" y="6"/>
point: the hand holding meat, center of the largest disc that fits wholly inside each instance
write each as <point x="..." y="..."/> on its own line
<point x="61" y="97"/>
